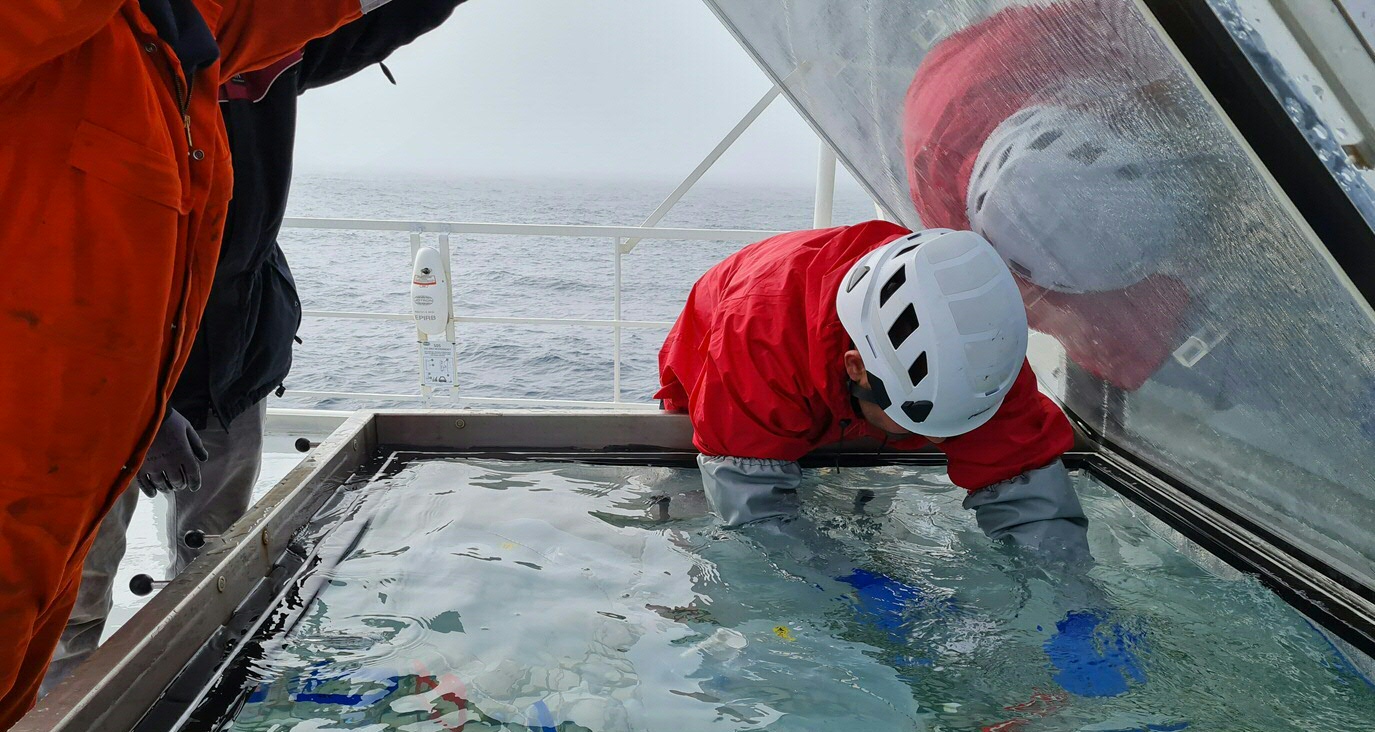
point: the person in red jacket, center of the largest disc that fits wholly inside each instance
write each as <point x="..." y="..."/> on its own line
<point x="815" y="337"/>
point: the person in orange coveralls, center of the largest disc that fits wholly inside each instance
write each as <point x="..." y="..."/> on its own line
<point x="114" y="181"/>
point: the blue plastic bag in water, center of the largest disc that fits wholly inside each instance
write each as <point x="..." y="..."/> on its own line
<point x="882" y="601"/>
<point x="1092" y="660"/>
<point x="539" y="719"/>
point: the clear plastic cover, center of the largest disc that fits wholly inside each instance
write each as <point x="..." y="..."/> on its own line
<point x="1186" y="311"/>
<point x="1316" y="59"/>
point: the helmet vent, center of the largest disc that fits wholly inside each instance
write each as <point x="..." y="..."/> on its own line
<point x="917" y="411"/>
<point x="917" y="372"/>
<point x="855" y="278"/>
<point x="979" y="204"/>
<point x="1002" y="159"/>
<point x="895" y="282"/>
<point x="1128" y="172"/>
<point x="1088" y="153"/>
<point x="904" y="326"/>
<point x="983" y="171"/>
<point x="1045" y="139"/>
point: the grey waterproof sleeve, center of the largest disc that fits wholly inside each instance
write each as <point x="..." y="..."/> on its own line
<point x="1039" y="510"/>
<point x="744" y="490"/>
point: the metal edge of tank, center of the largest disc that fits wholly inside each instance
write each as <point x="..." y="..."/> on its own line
<point x="567" y="434"/>
<point x="1333" y="592"/>
<point x="583" y="430"/>
<point x="1338" y="602"/>
<point x="127" y="676"/>
<point x="122" y="679"/>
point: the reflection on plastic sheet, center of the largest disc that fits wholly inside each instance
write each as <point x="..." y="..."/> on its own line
<point x="1362" y="16"/>
<point x="1198" y="325"/>
<point x="1307" y="95"/>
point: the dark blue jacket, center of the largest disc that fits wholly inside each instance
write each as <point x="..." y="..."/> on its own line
<point x="243" y="350"/>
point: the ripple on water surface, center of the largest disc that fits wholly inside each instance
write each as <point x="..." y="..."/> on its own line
<point x="525" y="596"/>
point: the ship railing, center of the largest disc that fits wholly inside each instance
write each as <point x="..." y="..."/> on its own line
<point x="437" y="383"/>
<point x="620" y="240"/>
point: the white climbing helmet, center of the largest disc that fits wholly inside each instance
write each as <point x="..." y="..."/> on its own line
<point x="1073" y="206"/>
<point x="940" y="325"/>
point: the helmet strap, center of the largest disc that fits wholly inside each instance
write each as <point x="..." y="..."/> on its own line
<point x="876" y="394"/>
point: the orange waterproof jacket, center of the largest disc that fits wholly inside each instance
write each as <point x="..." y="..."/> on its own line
<point x="113" y="186"/>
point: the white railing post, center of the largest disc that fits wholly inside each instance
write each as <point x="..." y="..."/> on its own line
<point x="449" y="331"/>
<point x="823" y="213"/>
<point x="420" y="336"/>
<point x="616" y="246"/>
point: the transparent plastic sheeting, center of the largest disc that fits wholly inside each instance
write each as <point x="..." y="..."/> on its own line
<point x="1153" y="256"/>
<point x="1333" y="110"/>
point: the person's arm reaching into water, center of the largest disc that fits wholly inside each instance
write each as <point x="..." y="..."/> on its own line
<point x="1038" y="510"/>
<point x="1018" y="488"/>
<point x="745" y="490"/>
<point x="749" y="446"/>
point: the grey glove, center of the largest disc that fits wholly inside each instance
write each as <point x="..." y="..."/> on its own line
<point x="745" y="490"/>
<point x="173" y="462"/>
<point x="1038" y="510"/>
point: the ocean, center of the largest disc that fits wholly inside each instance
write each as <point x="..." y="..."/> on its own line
<point x="549" y="277"/>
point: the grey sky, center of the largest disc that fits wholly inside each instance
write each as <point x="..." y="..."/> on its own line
<point x="608" y="89"/>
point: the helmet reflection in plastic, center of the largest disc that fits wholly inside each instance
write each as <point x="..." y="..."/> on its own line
<point x="1050" y="129"/>
<point x="1075" y="206"/>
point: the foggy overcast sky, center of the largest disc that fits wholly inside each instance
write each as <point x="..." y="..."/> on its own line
<point x="606" y="89"/>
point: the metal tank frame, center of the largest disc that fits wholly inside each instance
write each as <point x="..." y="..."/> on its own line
<point x="158" y="666"/>
<point x="155" y="667"/>
<point x="146" y="674"/>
